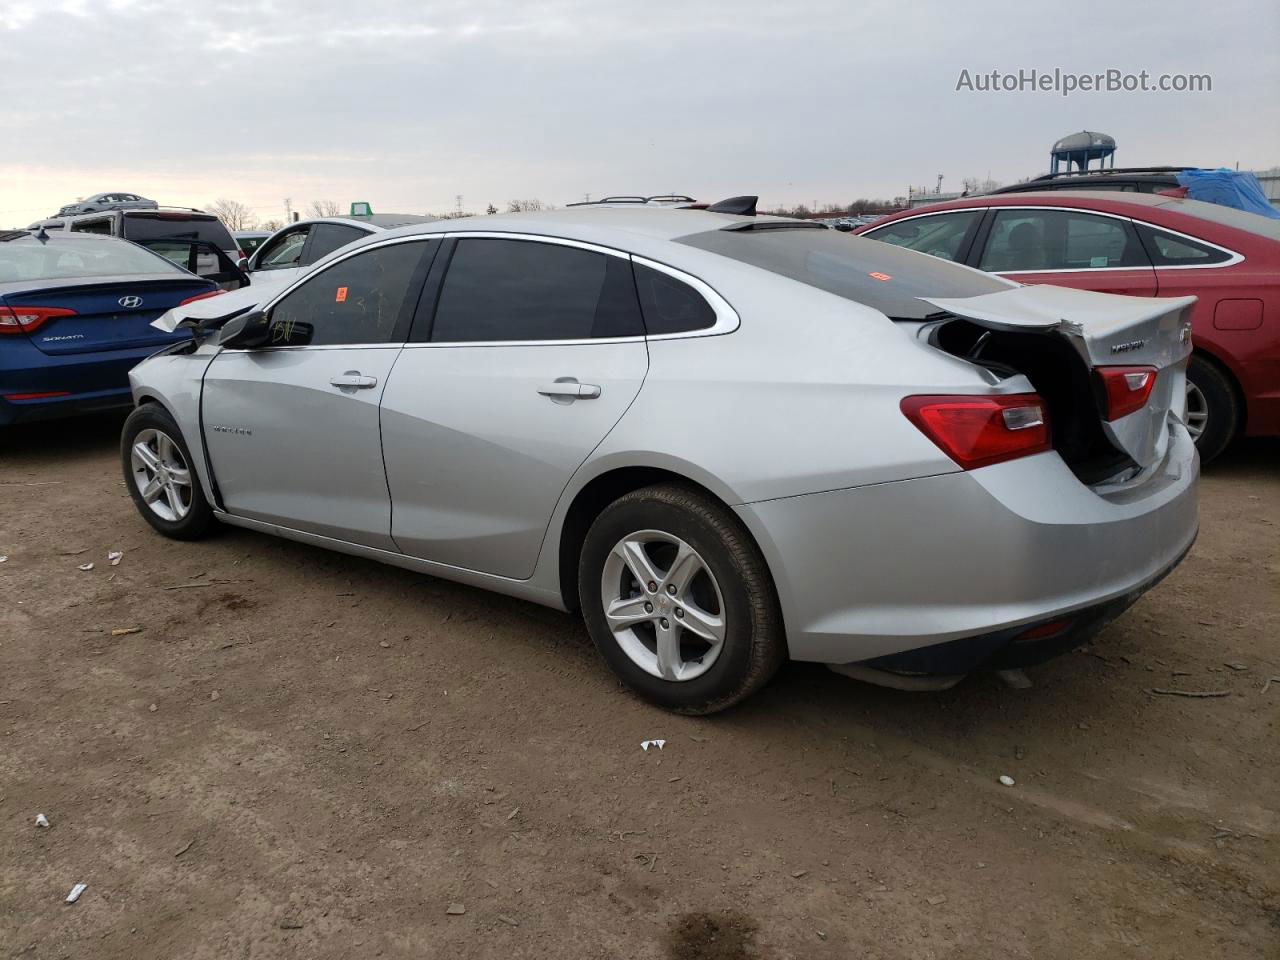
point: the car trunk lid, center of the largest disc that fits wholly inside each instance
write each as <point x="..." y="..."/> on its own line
<point x="1103" y="331"/>
<point x="108" y="315"/>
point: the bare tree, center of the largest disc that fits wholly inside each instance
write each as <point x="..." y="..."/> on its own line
<point x="526" y="206"/>
<point x="233" y="214"/>
<point x="491" y="209"/>
<point x="271" y="226"/>
<point x="323" y="208"/>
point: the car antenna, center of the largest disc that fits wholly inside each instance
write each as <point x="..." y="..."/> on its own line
<point x="41" y="235"/>
<point x="743" y="206"/>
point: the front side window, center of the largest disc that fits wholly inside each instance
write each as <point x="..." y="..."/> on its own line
<point x="283" y="252"/>
<point x="360" y="299"/>
<point x="1168" y="250"/>
<point x="1060" y="240"/>
<point x="526" y="290"/>
<point x="941" y="235"/>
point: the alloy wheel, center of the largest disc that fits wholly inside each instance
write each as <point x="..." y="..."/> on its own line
<point x="663" y="605"/>
<point x="1197" y="411"/>
<point x="161" y="474"/>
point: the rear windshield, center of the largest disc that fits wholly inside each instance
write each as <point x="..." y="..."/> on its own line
<point x="882" y="276"/>
<point x="68" y="259"/>
<point x="1245" y="220"/>
<point x="144" y="225"/>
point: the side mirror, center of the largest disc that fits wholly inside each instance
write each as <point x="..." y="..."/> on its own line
<point x="250" y="329"/>
<point x="255" y="329"/>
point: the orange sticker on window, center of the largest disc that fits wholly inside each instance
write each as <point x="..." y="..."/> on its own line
<point x="879" y="276"/>
<point x="341" y="296"/>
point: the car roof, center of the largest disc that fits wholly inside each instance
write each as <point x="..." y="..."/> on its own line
<point x="596" y="222"/>
<point x="1110" y="201"/>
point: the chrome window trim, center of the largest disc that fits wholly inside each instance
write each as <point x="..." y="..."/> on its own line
<point x="996" y="208"/>
<point x="727" y="319"/>
<point x="1235" y="257"/>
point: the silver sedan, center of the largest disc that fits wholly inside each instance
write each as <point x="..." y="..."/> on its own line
<point x="725" y="439"/>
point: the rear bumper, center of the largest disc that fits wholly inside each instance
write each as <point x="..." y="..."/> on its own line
<point x="53" y="408"/>
<point x="977" y="557"/>
<point x="90" y="381"/>
<point x="1015" y="647"/>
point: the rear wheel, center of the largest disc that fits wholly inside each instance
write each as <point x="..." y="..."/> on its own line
<point x="678" y="600"/>
<point x="158" y="473"/>
<point x="1212" y="408"/>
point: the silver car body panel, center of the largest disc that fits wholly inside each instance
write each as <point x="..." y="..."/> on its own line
<point x="476" y="456"/>
<point x="877" y="540"/>
<point x="290" y="447"/>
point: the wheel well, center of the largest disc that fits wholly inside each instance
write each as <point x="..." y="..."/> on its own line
<point x="588" y="504"/>
<point x="1242" y="404"/>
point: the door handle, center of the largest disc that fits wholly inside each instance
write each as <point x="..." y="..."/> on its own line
<point x="567" y="389"/>
<point x="354" y="380"/>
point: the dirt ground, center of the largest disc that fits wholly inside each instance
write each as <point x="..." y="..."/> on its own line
<point x="301" y="754"/>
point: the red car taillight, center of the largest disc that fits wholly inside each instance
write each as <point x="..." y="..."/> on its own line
<point x="202" y="296"/>
<point x="26" y="319"/>
<point x="1125" y="388"/>
<point x="979" y="431"/>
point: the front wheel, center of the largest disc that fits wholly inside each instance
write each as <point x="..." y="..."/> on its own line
<point x="678" y="600"/>
<point x="158" y="473"/>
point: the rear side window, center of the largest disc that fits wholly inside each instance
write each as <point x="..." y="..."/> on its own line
<point x="328" y="237"/>
<point x="361" y="299"/>
<point x="670" y="305"/>
<point x="941" y="235"/>
<point x="1060" y="240"/>
<point x="1168" y="250"/>
<point x="92" y="226"/>
<point x="525" y="290"/>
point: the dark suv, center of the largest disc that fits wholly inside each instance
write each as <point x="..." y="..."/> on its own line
<point x="190" y="238"/>
<point x="1125" y="179"/>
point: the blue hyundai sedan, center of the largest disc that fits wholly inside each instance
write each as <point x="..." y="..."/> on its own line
<point x="75" y="317"/>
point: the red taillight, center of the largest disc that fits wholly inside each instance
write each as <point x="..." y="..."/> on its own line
<point x="979" y="431"/>
<point x="202" y="296"/>
<point x="26" y="319"/>
<point x="1125" y="388"/>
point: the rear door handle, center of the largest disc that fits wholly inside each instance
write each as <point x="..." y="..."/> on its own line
<point x="570" y="389"/>
<point x="354" y="380"/>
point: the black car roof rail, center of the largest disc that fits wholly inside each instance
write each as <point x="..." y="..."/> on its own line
<point x="8" y="235"/>
<point x="628" y="198"/>
<point x="1064" y="174"/>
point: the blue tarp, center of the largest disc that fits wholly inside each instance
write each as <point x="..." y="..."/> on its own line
<point x="1231" y="188"/>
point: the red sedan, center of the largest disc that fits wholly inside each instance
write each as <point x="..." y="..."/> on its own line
<point x="1143" y="245"/>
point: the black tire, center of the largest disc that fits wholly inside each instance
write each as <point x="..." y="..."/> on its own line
<point x="198" y="522"/>
<point x="1221" y="404"/>
<point x="754" y="645"/>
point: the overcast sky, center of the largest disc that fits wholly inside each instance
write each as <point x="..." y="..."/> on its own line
<point x="407" y="103"/>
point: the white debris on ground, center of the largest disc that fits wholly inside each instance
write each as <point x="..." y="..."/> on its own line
<point x="646" y="744"/>
<point x="78" y="889"/>
<point x="1007" y="780"/>
<point x="41" y="820"/>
